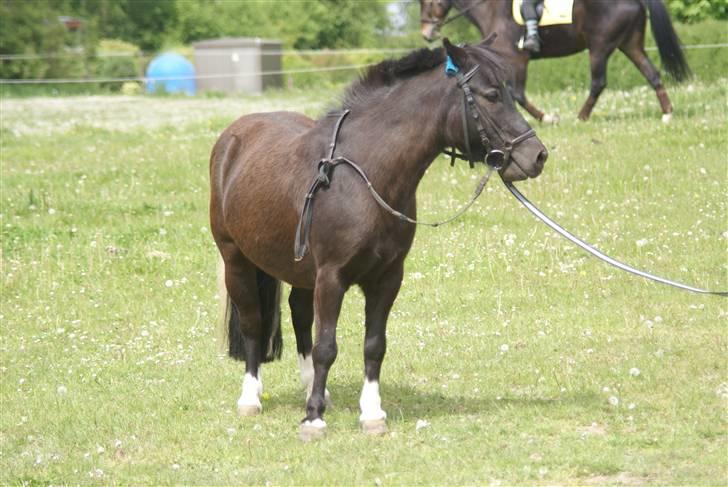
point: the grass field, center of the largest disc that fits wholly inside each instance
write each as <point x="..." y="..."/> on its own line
<point x="526" y="361"/>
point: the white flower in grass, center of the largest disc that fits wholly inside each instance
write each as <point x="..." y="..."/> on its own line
<point x="62" y="390"/>
<point x="421" y="423"/>
<point x="504" y="348"/>
<point x="642" y="242"/>
<point x="613" y="401"/>
<point x="169" y="283"/>
<point x="634" y="372"/>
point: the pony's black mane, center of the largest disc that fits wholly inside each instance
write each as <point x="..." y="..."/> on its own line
<point x="388" y="72"/>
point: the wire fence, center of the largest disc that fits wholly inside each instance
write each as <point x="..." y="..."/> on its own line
<point x="283" y="52"/>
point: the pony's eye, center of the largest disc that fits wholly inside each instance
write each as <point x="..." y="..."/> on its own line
<point x="492" y="95"/>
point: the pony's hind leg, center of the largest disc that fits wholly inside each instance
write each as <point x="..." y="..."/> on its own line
<point x="380" y="296"/>
<point x="636" y="54"/>
<point x="301" y="304"/>
<point x="253" y="324"/>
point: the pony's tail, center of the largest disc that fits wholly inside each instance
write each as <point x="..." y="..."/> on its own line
<point x="668" y="43"/>
<point x="269" y="294"/>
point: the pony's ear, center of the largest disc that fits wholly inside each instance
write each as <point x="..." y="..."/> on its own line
<point x="457" y="54"/>
<point x="489" y="40"/>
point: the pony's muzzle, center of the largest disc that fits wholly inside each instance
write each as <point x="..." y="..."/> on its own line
<point x="429" y="31"/>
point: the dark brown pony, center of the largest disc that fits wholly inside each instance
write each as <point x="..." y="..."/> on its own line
<point x="598" y="25"/>
<point x="402" y="114"/>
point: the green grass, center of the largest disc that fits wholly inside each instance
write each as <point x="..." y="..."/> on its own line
<point x="521" y="352"/>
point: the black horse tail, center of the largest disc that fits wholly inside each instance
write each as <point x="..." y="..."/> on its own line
<point x="269" y="295"/>
<point x="668" y="43"/>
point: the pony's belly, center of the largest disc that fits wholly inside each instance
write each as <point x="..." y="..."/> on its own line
<point x="268" y="244"/>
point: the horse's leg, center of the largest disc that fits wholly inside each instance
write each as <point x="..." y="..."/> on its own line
<point x="301" y="303"/>
<point x="636" y="54"/>
<point x="242" y="287"/>
<point x="379" y="296"/>
<point x="328" y="295"/>
<point x="518" y="89"/>
<point x="598" y="58"/>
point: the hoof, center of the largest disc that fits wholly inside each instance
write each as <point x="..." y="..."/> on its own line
<point x="312" y="430"/>
<point x="666" y="117"/>
<point x="551" y="119"/>
<point x="248" y="410"/>
<point x="374" y="427"/>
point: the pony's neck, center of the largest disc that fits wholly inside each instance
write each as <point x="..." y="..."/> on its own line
<point x="398" y="134"/>
<point x="481" y="12"/>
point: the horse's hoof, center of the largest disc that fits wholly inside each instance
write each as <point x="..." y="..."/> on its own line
<point x="551" y="119"/>
<point x="249" y="409"/>
<point x="374" y="427"/>
<point x="666" y="117"/>
<point x="312" y="430"/>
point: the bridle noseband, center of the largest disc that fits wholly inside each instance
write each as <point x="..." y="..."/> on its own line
<point x="496" y="158"/>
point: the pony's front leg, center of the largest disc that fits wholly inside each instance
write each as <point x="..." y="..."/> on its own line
<point x="328" y="296"/>
<point x="380" y="296"/>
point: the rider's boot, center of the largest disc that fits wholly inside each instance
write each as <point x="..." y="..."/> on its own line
<point x="532" y="42"/>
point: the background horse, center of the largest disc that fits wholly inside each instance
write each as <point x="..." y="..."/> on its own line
<point x="599" y="26"/>
<point x="402" y="115"/>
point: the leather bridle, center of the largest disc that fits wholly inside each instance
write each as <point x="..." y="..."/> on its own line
<point x="496" y="158"/>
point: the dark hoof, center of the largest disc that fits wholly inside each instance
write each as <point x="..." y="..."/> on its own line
<point x="312" y="430"/>
<point x="375" y="427"/>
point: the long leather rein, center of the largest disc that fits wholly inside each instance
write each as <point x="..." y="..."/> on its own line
<point x="495" y="159"/>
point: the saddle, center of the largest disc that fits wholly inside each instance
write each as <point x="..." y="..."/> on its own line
<point x="550" y="12"/>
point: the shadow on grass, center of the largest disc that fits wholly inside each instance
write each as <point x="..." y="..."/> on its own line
<point x="403" y="400"/>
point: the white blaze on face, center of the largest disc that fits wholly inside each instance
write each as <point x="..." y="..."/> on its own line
<point x="252" y="391"/>
<point x="370" y="402"/>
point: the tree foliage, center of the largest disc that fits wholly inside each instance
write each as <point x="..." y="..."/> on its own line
<point x="697" y="10"/>
<point x="32" y="26"/>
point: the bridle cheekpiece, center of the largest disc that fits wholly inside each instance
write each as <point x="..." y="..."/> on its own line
<point x="496" y="158"/>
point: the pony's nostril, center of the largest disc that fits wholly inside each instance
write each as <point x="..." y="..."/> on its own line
<point x="542" y="156"/>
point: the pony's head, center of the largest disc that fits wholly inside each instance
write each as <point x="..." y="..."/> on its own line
<point x="483" y="121"/>
<point x="432" y="15"/>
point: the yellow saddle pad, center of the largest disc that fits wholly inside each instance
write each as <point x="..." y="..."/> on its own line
<point x="555" y="12"/>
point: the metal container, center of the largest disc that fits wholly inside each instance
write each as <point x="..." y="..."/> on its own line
<point x="237" y="65"/>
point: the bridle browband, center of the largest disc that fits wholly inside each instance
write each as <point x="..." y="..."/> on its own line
<point x="495" y="159"/>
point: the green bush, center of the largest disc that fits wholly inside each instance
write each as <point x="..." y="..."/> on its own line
<point x="117" y="59"/>
<point x="697" y="10"/>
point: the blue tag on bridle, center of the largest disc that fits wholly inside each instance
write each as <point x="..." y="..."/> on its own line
<point x="451" y="68"/>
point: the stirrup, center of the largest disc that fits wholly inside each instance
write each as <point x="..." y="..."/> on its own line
<point x="532" y="44"/>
